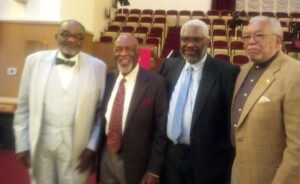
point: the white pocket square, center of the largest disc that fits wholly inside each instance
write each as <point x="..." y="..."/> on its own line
<point x="263" y="99"/>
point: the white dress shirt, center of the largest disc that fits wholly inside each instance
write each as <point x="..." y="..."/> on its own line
<point x="129" y="87"/>
<point x="66" y="73"/>
<point x="197" y="70"/>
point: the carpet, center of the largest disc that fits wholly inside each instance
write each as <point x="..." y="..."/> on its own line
<point x="13" y="172"/>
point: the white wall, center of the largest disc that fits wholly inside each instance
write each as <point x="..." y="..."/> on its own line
<point x="89" y="12"/>
<point x="203" y="5"/>
<point x="33" y="10"/>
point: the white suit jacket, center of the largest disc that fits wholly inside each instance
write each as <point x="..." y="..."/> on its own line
<point x="29" y="113"/>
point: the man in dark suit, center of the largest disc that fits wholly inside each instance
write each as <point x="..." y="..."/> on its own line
<point x="133" y="143"/>
<point x="198" y="126"/>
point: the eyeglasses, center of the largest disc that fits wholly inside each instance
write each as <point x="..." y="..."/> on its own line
<point x="194" y="40"/>
<point x="256" y="36"/>
<point x="67" y="35"/>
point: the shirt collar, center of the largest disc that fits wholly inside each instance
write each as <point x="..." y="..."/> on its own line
<point x="131" y="76"/>
<point x="198" y="65"/>
<point x="267" y="63"/>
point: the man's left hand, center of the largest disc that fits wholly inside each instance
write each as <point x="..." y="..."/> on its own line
<point x="85" y="159"/>
<point x="150" y="178"/>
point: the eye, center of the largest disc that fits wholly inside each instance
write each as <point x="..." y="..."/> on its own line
<point x="246" y="37"/>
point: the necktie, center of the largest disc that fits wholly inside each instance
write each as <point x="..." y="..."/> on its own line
<point x="114" y="136"/>
<point x="180" y="105"/>
<point x="68" y="63"/>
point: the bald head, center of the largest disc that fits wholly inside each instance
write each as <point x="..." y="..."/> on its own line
<point x="126" y="49"/>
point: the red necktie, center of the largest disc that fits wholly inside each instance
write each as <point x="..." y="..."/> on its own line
<point x="114" y="136"/>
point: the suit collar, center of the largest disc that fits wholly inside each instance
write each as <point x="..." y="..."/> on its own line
<point x="207" y="81"/>
<point x="264" y="82"/>
<point x="138" y="92"/>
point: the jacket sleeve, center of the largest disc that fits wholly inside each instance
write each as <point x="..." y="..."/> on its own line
<point x="21" y="117"/>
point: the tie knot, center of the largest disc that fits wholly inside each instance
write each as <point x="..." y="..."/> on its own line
<point x="64" y="62"/>
<point x="123" y="80"/>
<point x="189" y="69"/>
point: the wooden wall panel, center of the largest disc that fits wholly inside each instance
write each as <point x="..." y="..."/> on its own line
<point x="17" y="40"/>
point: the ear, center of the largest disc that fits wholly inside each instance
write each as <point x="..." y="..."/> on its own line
<point x="56" y="36"/>
<point x="279" y="39"/>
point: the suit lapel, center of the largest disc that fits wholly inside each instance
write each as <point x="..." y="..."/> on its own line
<point x="176" y="71"/>
<point x="261" y="86"/>
<point x="207" y="81"/>
<point x="44" y="72"/>
<point x="138" y="92"/>
<point x="83" y="81"/>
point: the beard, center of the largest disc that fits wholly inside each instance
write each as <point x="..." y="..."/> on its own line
<point x="127" y="69"/>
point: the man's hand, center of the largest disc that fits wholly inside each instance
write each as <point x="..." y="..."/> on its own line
<point x="150" y="178"/>
<point x="24" y="157"/>
<point x="86" y="157"/>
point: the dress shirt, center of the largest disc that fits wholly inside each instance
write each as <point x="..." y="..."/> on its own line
<point x="245" y="90"/>
<point x="66" y="73"/>
<point x="129" y="87"/>
<point x="197" y="70"/>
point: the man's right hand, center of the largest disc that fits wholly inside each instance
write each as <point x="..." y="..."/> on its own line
<point x="24" y="157"/>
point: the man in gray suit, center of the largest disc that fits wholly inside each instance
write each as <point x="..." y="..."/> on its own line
<point x="54" y="124"/>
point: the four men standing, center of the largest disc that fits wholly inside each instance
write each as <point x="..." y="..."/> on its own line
<point x="137" y="122"/>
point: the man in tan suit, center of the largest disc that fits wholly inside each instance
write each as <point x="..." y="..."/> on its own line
<point x="266" y="109"/>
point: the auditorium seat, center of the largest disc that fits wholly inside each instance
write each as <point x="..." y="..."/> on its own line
<point x="253" y="14"/>
<point x="197" y="14"/>
<point x="283" y="16"/>
<point x="147" y="13"/>
<point x="268" y="14"/>
<point x="223" y="57"/>
<point x="159" y="13"/>
<point x="240" y="59"/>
<point x="295" y="16"/>
<point x="146" y="21"/>
<point x="106" y="39"/>
<point x="220" y="47"/>
<point x="213" y="14"/>
<point x="184" y="16"/>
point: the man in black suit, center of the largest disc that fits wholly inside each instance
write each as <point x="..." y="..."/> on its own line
<point x="198" y="126"/>
<point x="133" y="145"/>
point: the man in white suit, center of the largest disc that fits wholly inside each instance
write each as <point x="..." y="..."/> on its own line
<point x="55" y="126"/>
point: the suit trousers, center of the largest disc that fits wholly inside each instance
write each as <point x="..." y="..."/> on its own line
<point x="53" y="166"/>
<point x="178" y="167"/>
<point x="112" y="168"/>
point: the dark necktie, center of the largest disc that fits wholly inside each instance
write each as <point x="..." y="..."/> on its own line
<point x="64" y="62"/>
<point x="114" y="136"/>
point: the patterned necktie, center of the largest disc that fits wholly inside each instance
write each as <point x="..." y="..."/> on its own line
<point x="68" y="63"/>
<point x="180" y="105"/>
<point x="114" y="136"/>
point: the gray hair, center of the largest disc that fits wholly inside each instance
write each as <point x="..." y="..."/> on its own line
<point x="273" y="22"/>
<point x="196" y="23"/>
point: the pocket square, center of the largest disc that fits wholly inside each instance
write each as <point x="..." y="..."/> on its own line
<point x="146" y="101"/>
<point x="264" y="99"/>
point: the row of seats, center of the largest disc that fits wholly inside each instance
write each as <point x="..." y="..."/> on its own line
<point x="156" y="30"/>
<point x="209" y="13"/>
